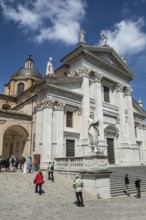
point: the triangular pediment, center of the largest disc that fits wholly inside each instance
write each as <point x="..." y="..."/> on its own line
<point x="110" y="57"/>
<point x="105" y="56"/>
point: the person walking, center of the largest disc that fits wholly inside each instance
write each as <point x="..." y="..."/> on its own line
<point x="137" y="185"/>
<point x="29" y="164"/>
<point x="51" y="171"/>
<point x="39" y="180"/>
<point x="12" y="162"/>
<point x="127" y="184"/>
<point x="78" y="185"/>
<point x="22" y="162"/>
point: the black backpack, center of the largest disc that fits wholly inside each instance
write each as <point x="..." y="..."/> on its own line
<point x="13" y="161"/>
<point x="52" y="167"/>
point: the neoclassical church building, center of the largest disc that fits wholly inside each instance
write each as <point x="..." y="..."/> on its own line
<point x="48" y="117"/>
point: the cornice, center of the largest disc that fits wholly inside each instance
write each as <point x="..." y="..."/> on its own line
<point x="14" y="113"/>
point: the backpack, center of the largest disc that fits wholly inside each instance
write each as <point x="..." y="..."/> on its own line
<point x="13" y="161"/>
<point x="52" y="168"/>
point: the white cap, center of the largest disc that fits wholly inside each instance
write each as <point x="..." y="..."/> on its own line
<point x="77" y="176"/>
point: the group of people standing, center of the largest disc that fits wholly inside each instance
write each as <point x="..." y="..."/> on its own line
<point x="137" y="185"/>
<point x="77" y="184"/>
<point x="13" y="163"/>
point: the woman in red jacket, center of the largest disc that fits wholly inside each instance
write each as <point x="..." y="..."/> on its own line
<point x="39" y="180"/>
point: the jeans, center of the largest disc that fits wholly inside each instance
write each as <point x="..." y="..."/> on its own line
<point x="138" y="192"/>
<point x="51" y="176"/>
<point x="40" y="188"/>
<point x="79" y="198"/>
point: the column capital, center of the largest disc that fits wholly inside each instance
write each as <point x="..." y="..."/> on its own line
<point x="45" y="103"/>
<point x="82" y="71"/>
<point x="59" y="105"/>
<point x="119" y="87"/>
<point x="97" y="77"/>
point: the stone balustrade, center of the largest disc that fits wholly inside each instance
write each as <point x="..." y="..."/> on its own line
<point x="70" y="163"/>
<point x="88" y="163"/>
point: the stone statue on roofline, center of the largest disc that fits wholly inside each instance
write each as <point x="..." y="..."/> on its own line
<point x="104" y="38"/>
<point x="82" y="36"/>
<point x="50" y="68"/>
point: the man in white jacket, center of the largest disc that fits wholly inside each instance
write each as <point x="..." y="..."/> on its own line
<point x="78" y="185"/>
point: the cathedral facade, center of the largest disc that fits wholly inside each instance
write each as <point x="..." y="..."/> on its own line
<point x="50" y="117"/>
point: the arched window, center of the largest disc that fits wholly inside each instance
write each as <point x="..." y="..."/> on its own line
<point x="20" y="88"/>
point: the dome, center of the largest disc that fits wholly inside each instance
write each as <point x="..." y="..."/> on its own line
<point x="28" y="72"/>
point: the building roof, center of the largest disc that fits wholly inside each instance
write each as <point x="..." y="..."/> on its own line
<point x="27" y="71"/>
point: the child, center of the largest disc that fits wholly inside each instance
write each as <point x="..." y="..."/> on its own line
<point x="39" y="180"/>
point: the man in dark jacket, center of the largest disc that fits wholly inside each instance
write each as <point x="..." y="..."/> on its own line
<point x="137" y="185"/>
<point x="127" y="184"/>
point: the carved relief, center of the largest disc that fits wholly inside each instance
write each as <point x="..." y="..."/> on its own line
<point x="102" y="162"/>
<point x="97" y="77"/>
<point x="89" y="162"/>
<point x="127" y="91"/>
<point x="60" y="105"/>
<point x="45" y="103"/>
<point x="82" y="71"/>
<point x="79" y="111"/>
<point x="119" y="87"/>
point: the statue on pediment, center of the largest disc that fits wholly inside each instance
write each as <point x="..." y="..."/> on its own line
<point x="104" y="38"/>
<point x="82" y="36"/>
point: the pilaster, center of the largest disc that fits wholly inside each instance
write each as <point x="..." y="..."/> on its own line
<point x="60" y="128"/>
<point x="85" y="113"/>
<point x="99" y="111"/>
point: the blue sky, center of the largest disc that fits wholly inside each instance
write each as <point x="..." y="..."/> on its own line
<point x="51" y="28"/>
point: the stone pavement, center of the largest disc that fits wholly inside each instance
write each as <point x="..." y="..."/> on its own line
<point x="18" y="200"/>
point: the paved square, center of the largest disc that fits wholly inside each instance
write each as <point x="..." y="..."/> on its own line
<point x="18" y="200"/>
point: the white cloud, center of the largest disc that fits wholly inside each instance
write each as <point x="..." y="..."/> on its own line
<point x="47" y="19"/>
<point x="127" y="37"/>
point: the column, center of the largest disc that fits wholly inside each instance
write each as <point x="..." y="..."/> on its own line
<point x="99" y="108"/>
<point x="85" y="114"/>
<point x="60" y="129"/>
<point x="130" y="121"/>
<point x="122" y="124"/>
<point x="39" y="121"/>
<point x="46" y="154"/>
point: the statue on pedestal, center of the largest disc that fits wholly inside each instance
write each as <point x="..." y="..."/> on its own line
<point x="93" y="133"/>
<point x="50" y="68"/>
<point x="104" y="38"/>
<point x="82" y="36"/>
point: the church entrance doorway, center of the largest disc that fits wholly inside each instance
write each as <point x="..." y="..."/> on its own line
<point x="14" y="142"/>
<point x="111" y="154"/>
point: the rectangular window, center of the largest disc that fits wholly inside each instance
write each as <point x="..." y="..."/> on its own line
<point x="106" y="91"/>
<point x="70" y="148"/>
<point x="69" y="119"/>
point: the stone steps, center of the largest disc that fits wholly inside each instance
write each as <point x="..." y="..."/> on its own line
<point x="117" y="183"/>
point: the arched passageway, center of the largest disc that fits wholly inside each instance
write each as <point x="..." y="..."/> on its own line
<point x="14" y="141"/>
